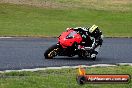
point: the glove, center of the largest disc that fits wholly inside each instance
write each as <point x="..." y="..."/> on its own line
<point x="67" y="29"/>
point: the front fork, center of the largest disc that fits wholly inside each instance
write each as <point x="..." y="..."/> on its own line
<point x="53" y="53"/>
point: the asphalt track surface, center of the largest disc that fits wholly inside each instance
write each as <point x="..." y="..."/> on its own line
<point x="27" y="53"/>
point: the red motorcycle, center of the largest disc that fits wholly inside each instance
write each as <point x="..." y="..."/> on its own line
<point x="70" y="43"/>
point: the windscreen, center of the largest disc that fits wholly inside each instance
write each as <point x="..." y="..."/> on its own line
<point x="71" y="35"/>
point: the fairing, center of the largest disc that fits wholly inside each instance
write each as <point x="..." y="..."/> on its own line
<point x="68" y="38"/>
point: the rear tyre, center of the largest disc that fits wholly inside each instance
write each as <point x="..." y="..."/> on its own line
<point x="51" y="52"/>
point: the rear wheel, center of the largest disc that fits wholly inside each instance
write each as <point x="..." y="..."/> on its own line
<point x="51" y="52"/>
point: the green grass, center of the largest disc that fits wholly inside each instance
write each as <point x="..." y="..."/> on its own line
<point x="65" y="78"/>
<point x="25" y="20"/>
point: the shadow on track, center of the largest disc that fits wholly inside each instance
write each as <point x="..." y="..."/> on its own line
<point x="73" y="58"/>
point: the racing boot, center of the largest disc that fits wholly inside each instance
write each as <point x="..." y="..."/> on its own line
<point x="93" y="55"/>
<point x="95" y="52"/>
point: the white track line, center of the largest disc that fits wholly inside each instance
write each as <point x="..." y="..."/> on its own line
<point x="125" y="64"/>
<point x="5" y="37"/>
<point x="47" y="68"/>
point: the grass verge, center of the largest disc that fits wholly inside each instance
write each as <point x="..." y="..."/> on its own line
<point x="64" y="78"/>
<point x="25" y="20"/>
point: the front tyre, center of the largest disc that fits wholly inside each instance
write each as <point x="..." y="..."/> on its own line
<point x="51" y="52"/>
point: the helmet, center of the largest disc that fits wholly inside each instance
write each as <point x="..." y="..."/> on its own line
<point x="94" y="31"/>
<point x="93" y="28"/>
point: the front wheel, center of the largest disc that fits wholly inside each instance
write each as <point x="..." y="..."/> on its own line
<point x="51" y="52"/>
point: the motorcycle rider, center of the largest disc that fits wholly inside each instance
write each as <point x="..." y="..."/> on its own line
<point x="92" y="37"/>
